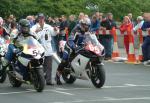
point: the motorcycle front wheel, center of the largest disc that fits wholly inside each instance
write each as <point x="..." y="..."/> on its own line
<point x="38" y="80"/>
<point x="3" y="74"/>
<point x="98" y="76"/>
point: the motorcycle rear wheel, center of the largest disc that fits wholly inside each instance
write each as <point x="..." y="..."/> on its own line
<point x="14" y="82"/>
<point x="67" y="77"/>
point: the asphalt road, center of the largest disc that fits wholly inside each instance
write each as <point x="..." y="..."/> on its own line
<point x="125" y="83"/>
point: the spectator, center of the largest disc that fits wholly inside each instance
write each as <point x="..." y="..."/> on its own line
<point x="14" y="31"/>
<point x="51" y="21"/>
<point x="72" y="23"/>
<point x="95" y="25"/>
<point x="7" y="24"/>
<point x="57" y="22"/>
<point x="124" y="28"/>
<point x="81" y="17"/>
<point x="146" y="43"/>
<point x="63" y="26"/>
<point x="3" y="32"/>
<point x="140" y="22"/>
<point x="31" y="20"/>
<point x="107" y="40"/>
<point x="131" y="18"/>
<point x="99" y="16"/>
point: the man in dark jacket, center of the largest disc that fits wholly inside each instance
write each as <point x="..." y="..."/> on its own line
<point x="107" y="40"/>
<point x="146" y="43"/>
<point x="63" y="26"/>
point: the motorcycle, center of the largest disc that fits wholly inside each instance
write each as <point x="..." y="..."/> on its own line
<point x="86" y="63"/>
<point x="3" y="50"/>
<point x="26" y="66"/>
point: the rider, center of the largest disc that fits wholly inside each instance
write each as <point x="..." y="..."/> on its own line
<point x="75" y="40"/>
<point x="24" y="31"/>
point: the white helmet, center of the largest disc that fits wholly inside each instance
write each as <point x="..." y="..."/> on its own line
<point x="1" y="21"/>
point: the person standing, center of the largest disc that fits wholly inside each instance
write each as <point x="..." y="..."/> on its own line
<point x="95" y="25"/>
<point x="140" y="22"/>
<point x="63" y="27"/>
<point x="146" y="43"/>
<point x="125" y="27"/>
<point x="72" y="23"/>
<point x="107" y="40"/>
<point x="44" y="33"/>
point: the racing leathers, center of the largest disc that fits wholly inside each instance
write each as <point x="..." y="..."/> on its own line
<point x="75" y="40"/>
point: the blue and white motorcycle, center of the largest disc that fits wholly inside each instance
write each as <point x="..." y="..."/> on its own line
<point x="27" y="65"/>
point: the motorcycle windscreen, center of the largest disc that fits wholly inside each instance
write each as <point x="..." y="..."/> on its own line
<point x="92" y="44"/>
<point x="32" y="47"/>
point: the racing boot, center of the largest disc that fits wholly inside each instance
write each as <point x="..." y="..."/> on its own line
<point x="60" y="69"/>
<point x="57" y="78"/>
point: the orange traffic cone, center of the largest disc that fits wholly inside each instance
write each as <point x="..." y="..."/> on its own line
<point x="115" y="46"/>
<point x="140" y="55"/>
<point x="131" y="55"/>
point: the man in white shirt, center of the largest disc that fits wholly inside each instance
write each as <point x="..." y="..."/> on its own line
<point x="43" y="33"/>
<point x="140" y="22"/>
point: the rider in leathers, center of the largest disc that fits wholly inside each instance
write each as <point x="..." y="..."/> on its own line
<point x="75" y="40"/>
<point x="24" y="31"/>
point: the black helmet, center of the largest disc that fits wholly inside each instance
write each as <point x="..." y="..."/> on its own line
<point x="24" y="26"/>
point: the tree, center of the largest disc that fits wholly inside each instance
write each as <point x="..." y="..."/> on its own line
<point x="22" y="8"/>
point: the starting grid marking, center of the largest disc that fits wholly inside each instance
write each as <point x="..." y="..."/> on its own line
<point x="107" y="99"/>
<point x="63" y="90"/>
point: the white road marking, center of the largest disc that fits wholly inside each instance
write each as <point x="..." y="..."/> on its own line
<point x="15" y="92"/>
<point x="61" y="90"/>
<point x="47" y="90"/>
<point x="72" y="88"/>
<point x="107" y="99"/>
<point x="66" y="93"/>
<point x="126" y="86"/>
<point x="130" y="85"/>
<point x="58" y="102"/>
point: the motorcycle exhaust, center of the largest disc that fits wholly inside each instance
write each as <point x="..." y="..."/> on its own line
<point x="18" y="77"/>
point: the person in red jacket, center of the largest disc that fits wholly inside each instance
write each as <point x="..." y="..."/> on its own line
<point x="3" y="32"/>
<point x="125" y="28"/>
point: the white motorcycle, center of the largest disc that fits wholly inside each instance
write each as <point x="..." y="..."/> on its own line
<point x="26" y="66"/>
<point x="86" y="63"/>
